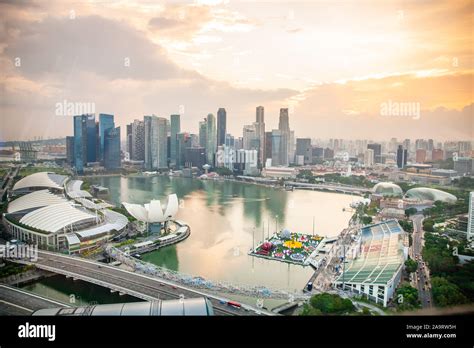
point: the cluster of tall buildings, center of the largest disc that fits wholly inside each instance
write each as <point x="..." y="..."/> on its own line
<point x="94" y="142"/>
<point x="161" y="144"/>
<point x="158" y="143"/>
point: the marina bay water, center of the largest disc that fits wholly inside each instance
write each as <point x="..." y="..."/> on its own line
<point x="227" y="218"/>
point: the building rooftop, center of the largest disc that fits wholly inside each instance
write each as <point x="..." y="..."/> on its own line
<point x="381" y="255"/>
<point x="35" y="199"/>
<point x="41" y="179"/>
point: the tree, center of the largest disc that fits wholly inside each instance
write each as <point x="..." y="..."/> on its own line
<point x="411" y="265"/>
<point x="328" y="304"/>
<point x="446" y="293"/>
<point x="428" y="225"/>
<point x="406" y="297"/>
<point x="410" y="211"/>
<point x="223" y="171"/>
<point x="366" y="220"/>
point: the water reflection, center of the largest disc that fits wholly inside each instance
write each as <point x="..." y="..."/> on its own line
<point x="228" y="218"/>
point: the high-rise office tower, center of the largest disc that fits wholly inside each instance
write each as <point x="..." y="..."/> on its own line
<point x="249" y="137"/>
<point x="156" y="138"/>
<point x="268" y="145"/>
<point x="279" y="156"/>
<point x="284" y="142"/>
<point x="105" y="122"/>
<point x="203" y="134"/>
<point x="138" y="141"/>
<point x="369" y="158"/>
<point x="260" y="129"/>
<point x="92" y="139"/>
<point x="402" y="155"/>
<point x="377" y="151"/>
<point x="129" y="140"/>
<point x="303" y="148"/>
<point x="183" y="141"/>
<point x="111" y="153"/>
<point x="221" y="126"/>
<point x="175" y="128"/>
<point x="284" y="122"/>
<point x="80" y="142"/>
<point x="211" y="135"/>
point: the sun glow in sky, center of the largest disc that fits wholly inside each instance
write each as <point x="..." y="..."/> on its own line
<point x="334" y="62"/>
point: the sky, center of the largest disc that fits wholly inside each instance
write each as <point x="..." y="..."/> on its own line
<point x="335" y="64"/>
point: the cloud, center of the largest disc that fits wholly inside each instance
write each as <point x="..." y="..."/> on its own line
<point x="353" y="109"/>
<point x="94" y="44"/>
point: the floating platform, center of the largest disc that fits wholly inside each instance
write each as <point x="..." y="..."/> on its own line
<point x="295" y="248"/>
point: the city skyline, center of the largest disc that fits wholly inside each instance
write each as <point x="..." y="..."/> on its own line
<point x="193" y="58"/>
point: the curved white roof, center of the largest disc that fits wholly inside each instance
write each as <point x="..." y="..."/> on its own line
<point x="55" y="217"/>
<point x="430" y="194"/>
<point x="35" y="199"/>
<point x="113" y="221"/>
<point x="73" y="189"/>
<point x="153" y="211"/>
<point x="387" y="189"/>
<point x="41" y="179"/>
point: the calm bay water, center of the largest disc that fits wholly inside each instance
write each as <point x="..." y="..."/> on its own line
<point x="226" y="218"/>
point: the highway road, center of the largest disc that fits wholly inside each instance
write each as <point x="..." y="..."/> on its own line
<point x="14" y="301"/>
<point x="132" y="283"/>
<point x="421" y="276"/>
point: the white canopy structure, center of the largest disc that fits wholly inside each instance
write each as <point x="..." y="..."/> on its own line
<point x="41" y="179"/>
<point x="153" y="212"/>
<point x="35" y="199"/>
<point x="53" y="218"/>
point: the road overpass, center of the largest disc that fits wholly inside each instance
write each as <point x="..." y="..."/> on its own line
<point x="131" y="283"/>
<point x="14" y="301"/>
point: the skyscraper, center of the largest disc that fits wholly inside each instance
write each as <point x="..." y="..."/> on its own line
<point x="203" y="134"/>
<point x="268" y="145"/>
<point x="156" y="151"/>
<point x="80" y="142"/>
<point x="260" y="129"/>
<point x="303" y="148"/>
<point x="401" y="157"/>
<point x="221" y="126"/>
<point x="175" y="129"/>
<point x="211" y="135"/>
<point x="92" y="139"/>
<point x="278" y="156"/>
<point x="284" y="142"/>
<point x="377" y="151"/>
<point x="183" y="141"/>
<point x="249" y="137"/>
<point x="129" y="140"/>
<point x="105" y="122"/>
<point x="369" y="158"/>
<point x="111" y="152"/>
<point x="284" y="122"/>
<point x="138" y="141"/>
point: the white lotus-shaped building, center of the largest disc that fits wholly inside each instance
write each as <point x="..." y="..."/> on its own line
<point x="154" y="212"/>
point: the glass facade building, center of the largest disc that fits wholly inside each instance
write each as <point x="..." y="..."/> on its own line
<point x="112" y="159"/>
<point x="80" y="142"/>
<point x="175" y="129"/>
<point x="105" y="122"/>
